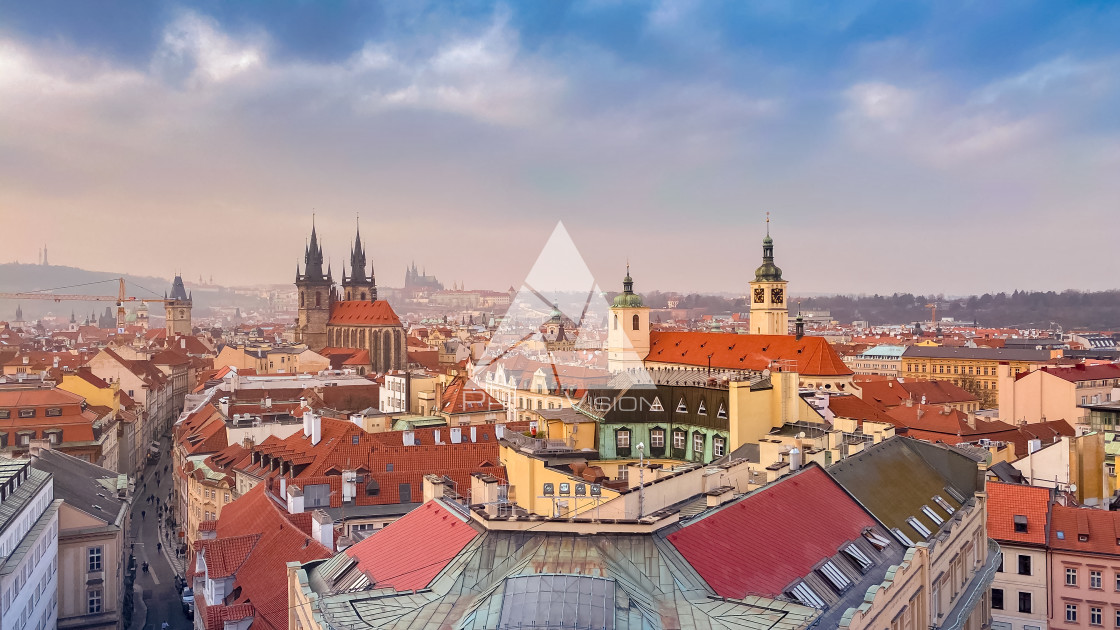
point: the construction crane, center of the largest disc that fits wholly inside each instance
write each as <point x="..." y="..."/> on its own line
<point x="120" y="299"/>
<point x="932" y="316"/>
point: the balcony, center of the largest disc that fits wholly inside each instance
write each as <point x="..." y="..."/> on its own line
<point x="977" y="587"/>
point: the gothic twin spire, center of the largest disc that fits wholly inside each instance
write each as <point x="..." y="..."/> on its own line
<point x="313" y="265"/>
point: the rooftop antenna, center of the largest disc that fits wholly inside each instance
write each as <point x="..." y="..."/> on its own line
<point x="767" y="223"/>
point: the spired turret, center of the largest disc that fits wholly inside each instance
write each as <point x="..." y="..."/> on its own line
<point x="358" y="286"/>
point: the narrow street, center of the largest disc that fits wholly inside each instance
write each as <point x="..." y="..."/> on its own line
<point x="158" y="583"/>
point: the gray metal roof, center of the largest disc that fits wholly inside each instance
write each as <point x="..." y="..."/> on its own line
<point x="16" y="502"/>
<point x="980" y="354"/>
<point x="85" y="486"/>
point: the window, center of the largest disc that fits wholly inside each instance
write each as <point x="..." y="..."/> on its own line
<point x="1024" y="602"/>
<point x="1020" y="523"/>
<point x="25" y="439"/>
<point x="804" y="594"/>
<point x="835" y="577"/>
<point x="656" y="405"/>
<point x="902" y="537"/>
<point x="1024" y="564"/>
<point x="637" y="323"/>
<point x="354" y="439"/>
<point x="623" y="472"/>
<point x="227" y="498"/>
<point x="622" y="439"/>
<point x="94" y="559"/>
<point x="678" y="442"/>
<point x="54" y="412"/>
<point x="681" y="408"/>
<point x="405" y="492"/>
<point x="1095" y="580"/>
<point x="1071" y="578"/>
<point x="657" y="438"/>
<point x="933" y="516"/>
<point x="703" y="409"/>
<point x="697" y="444"/>
<point x="856" y="555"/>
<point x="27" y="413"/>
<point x="722" y="413"/>
<point x="1095" y="616"/>
<point x="93" y="601"/>
<point x="943" y="504"/>
<point x="997" y="599"/>
<point x="717" y="447"/>
<point x="919" y="527"/>
<point x="5" y="414"/>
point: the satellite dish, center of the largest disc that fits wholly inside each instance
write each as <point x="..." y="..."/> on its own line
<point x="766" y="373"/>
<point x="1073" y="487"/>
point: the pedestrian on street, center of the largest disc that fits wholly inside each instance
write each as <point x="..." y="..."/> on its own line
<point x="159" y="546"/>
<point x="142" y="514"/>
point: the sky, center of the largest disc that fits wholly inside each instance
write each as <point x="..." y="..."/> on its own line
<point x="940" y="146"/>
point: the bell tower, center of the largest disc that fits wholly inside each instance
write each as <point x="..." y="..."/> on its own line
<point x="769" y="313"/>
<point x="316" y="293"/>
<point x="357" y="286"/>
<point x="628" y="329"/>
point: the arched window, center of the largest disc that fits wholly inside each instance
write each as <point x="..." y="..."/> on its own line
<point x="361" y="338"/>
<point x="616" y="322"/>
<point x="301" y="299"/>
<point x="318" y="298"/>
<point x="637" y="322"/>
<point x="386" y="351"/>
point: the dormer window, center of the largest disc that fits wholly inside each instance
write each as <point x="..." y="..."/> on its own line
<point x="656" y="406"/>
<point x="1020" y="524"/>
<point x="27" y="413"/>
<point x="681" y="407"/>
<point x="702" y="410"/>
<point x="1083" y="538"/>
<point x="722" y="413"/>
<point x="54" y="412"/>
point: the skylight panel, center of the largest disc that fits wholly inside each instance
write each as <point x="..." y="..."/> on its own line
<point x="933" y="516"/>
<point x="807" y="596"/>
<point x="879" y="542"/>
<point x="902" y="537"/>
<point x="835" y="576"/>
<point x="956" y="495"/>
<point x="919" y="527"/>
<point x="943" y="504"/>
<point x="856" y="554"/>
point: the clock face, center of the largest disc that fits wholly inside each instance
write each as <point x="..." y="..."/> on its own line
<point x="759" y="295"/>
<point x="777" y="295"/>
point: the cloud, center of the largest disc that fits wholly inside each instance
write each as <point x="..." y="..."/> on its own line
<point x="195" y="49"/>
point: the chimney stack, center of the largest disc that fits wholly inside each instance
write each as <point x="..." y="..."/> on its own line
<point x="316" y="428"/>
<point x="307" y="423"/>
<point x="295" y="500"/>
<point x="322" y="528"/>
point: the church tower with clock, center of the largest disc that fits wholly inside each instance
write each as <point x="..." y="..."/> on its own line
<point x="769" y="314"/>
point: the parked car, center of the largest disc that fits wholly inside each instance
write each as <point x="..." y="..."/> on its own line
<point x="180" y="583"/>
<point x="188" y="603"/>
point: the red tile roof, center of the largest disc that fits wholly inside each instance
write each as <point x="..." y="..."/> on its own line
<point x="893" y="392"/>
<point x="410" y="552"/>
<point x="224" y="556"/>
<point x="463" y="397"/>
<point x="263" y="575"/>
<point x="1082" y="372"/>
<point x="358" y="313"/>
<point x="813" y="356"/>
<point x="763" y="542"/>
<point x="1008" y="500"/>
<point x="936" y="423"/>
<point x="849" y="406"/>
<point x="1101" y="527"/>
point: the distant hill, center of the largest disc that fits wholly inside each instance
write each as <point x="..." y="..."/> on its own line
<point x="22" y="278"/>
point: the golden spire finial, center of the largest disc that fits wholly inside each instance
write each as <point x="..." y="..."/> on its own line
<point x="767" y="223"/>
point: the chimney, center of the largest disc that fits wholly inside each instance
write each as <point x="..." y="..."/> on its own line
<point x="183" y="343"/>
<point x="474" y="434"/>
<point x="307" y="423"/>
<point x="909" y="402"/>
<point x="484" y="490"/>
<point x="247" y="443"/>
<point x="322" y="528"/>
<point x="36" y="446"/>
<point x="316" y="428"/>
<point x="794" y="459"/>
<point x="970" y="420"/>
<point x="223" y="404"/>
<point x="267" y="402"/>
<point x="408" y="438"/>
<point x="434" y="487"/>
<point x="234" y="381"/>
<point x="456" y="435"/>
<point x="295" y="500"/>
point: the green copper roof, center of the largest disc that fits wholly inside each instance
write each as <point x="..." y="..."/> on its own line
<point x="628" y="299"/>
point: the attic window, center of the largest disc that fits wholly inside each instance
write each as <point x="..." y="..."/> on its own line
<point x="806" y="596"/>
<point x="835" y="577"/>
<point x="943" y="504"/>
<point x="656" y="406"/>
<point x="919" y="527"/>
<point x="1020" y="523"/>
<point x="722" y="413"/>
<point x="1061" y="535"/>
<point x="902" y="537"/>
<point x="1083" y="538"/>
<point x="856" y="555"/>
<point x="879" y="542"/>
<point x="703" y="410"/>
<point x="681" y="407"/>
<point x="354" y="439"/>
<point x="54" y="412"/>
<point x="933" y="516"/>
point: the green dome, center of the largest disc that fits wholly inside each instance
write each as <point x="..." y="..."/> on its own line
<point x="768" y="271"/>
<point x="628" y="299"/>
